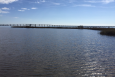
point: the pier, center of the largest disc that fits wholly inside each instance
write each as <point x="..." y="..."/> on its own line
<point x="54" y="26"/>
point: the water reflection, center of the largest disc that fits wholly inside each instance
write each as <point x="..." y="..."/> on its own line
<point x="56" y="53"/>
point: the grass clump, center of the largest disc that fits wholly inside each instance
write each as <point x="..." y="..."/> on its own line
<point x="108" y="32"/>
<point x="105" y="31"/>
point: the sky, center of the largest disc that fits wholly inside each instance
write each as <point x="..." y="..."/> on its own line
<point x="58" y="12"/>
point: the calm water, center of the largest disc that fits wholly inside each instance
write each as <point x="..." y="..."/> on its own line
<point x="56" y="53"/>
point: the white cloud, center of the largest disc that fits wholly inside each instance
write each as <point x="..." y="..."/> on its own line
<point x="16" y="17"/>
<point x="3" y="11"/>
<point x="7" y="1"/>
<point x="71" y="1"/>
<point x="37" y="2"/>
<point x="85" y="5"/>
<point x="92" y="1"/>
<point x="5" y="8"/>
<point x="21" y="10"/>
<point x="56" y="3"/>
<point x="107" y="7"/>
<point x="24" y="8"/>
<point x="33" y="8"/>
<point x="107" y="1"/>
<point x="100" y="1"/>
<point x="43" y="1"/>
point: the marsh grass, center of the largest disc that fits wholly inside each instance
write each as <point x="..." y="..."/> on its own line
<point x="106" y="31"/>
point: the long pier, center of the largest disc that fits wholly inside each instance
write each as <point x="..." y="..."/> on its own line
<point x="54" y="26"/>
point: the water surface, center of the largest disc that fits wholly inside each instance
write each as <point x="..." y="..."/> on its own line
<point x="56" y="53"/>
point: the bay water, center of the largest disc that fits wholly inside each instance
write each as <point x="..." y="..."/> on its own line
<point x="35" y="52"/>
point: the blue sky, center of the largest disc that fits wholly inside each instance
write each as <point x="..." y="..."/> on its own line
<point x="63" y="12"/>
